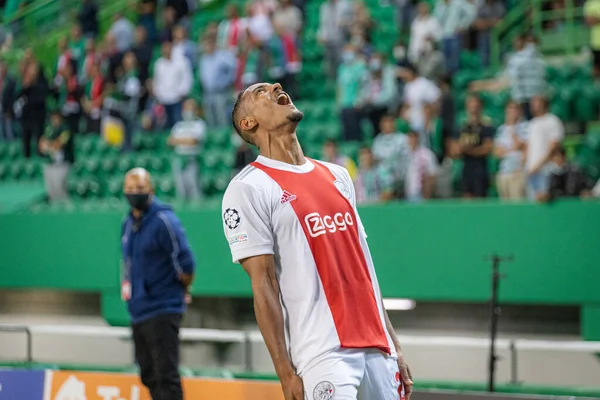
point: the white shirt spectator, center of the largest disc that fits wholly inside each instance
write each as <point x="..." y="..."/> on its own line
<point x="289" y="18"/>
<point x="122" y="30"/>
<point x="333" y="15"/>
<point x="454" y="15"/>
<point x="172" y="79"/>
<point x="391" y="150"/>
<point x="512" y="161"/>
<point x="421" y="29"/>
<point x="260" y="27"/>
<point x="542" y="132"/>
<point x="417" y="94"/>
<point x="194" y="129"/>
<point x="422" y="163"/>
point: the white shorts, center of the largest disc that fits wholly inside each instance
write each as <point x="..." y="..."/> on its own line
<point x="352" y="374"/>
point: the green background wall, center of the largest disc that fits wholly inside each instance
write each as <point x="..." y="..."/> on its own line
<point x="430" y="252"/>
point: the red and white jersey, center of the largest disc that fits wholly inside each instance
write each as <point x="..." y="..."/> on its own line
<point x="306" y="217"/>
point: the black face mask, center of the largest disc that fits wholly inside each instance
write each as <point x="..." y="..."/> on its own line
<point x="139" y="201"/>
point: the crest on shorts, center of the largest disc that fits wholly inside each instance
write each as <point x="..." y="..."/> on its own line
<point x="324" y="391"/>
<point x="343" y="188"/>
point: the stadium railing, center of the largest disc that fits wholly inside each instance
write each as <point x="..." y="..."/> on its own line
<point x="531" y="16"/>
<point x="247" y="338"/>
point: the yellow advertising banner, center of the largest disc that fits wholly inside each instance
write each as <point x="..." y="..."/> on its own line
<point x="72" y="385"/>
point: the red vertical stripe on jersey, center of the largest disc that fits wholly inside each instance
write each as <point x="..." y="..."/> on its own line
<point x="337" y="252"/>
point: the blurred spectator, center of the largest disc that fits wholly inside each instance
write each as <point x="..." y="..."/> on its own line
<point x="288" y="17"/>
<point x="404" y="14"/>
<point x="172" y="83"/>
<point x="293" y="62"/>
<point x="566" y="179"/>
<point x="334" y="16"/>
<point x="30" y="105"/>
<point x="93" y="98"/>
<point x="390" y="150"/>
<point x="180" y="7"/>
<point x="378" y="90"/>
<point x="113" y="56"/>
<point x="431" y="63"/>
<point x="122" y="29"/>
<point x="490" y="12"/>
<point x="91" y="57"/>
<point x="244" y="154"/>
<point x="68" y="96"/>
<point x="259" y="24"/>
<point x="455" y="17"/>
<point x="7" y="93"/>
<point x="124" y="97"/>
<point x="592" y="18"/>
<point x="88" y="18"/>
<point x="419" y="93"/>
<point x="525" y="74"/>
<point x="57" y="145"/>
<point x="276" y="57"/>
<point x="362" y="21"/>
<point x="511" y="139"/>
<point x="231" y="30"/>
<point x="373" y="183"/>
<point x="186" y="138"/>
<point x="217" y="71"/>
<point x="331" y="155"/>
<point x="425" y="27"/>
<point x="250" y="68"/>
<point x="77" y="44"/>
<point x="446" y="115"/>
<point x="546" y="133"/>
<point x="400" y="54"/>
<point x="6" y="38"/>
<point x="183" y="46"/>
<point x="351" y="78"/>
<point x="64" y="56"/>
<point x="421" y="170"/>
<point x="473" y="145"/>
<point x="147" y="19"/>
<point x="169" y="20"/>
<point x="142" y="49"/>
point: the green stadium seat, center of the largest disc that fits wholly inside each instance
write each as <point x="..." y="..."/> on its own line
<point x="108" y="165"/>
<point x="91" y="165"/>
<point x="32" y="169"/>
<point x="4" y="172"/>
<point x="14" y="150"/>
<point x="16" y="170"/>
<point x="3" y="150"/>
<point x="165" y="187"/>
<point x="114" y="187"/>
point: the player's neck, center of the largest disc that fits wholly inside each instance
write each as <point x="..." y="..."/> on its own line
<point x="285" y="148"/>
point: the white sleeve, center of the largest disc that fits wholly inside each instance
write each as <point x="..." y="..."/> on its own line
<point x="200" y="131"/>
<point x="432" y="92"/>
<point x="560" y="129"/>
<point x="246" y="222"/>
<point x="431" y="164"/>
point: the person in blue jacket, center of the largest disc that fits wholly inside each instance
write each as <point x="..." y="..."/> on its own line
<point x="158" y="269"/>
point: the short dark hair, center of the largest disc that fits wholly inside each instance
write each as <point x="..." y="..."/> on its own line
<point x="235" y="114"/>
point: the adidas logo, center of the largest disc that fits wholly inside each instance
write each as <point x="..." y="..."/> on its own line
<point x="287" y="197"/>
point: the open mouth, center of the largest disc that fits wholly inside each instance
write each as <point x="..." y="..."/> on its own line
<point x="283" y="99"/>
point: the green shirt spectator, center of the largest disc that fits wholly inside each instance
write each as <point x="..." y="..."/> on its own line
<point x="352" y="75"/>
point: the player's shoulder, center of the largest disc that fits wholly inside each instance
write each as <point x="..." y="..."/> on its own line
<point x="338" y="171"/>
<point x="249" y="182"/>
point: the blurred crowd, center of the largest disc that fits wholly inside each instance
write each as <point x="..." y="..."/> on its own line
<point x="118" y="84"/>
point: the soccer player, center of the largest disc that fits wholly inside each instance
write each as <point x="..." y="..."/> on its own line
<point x="292" y="223"/>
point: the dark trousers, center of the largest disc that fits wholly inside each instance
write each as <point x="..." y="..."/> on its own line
<point x="173" y="114"/>
<point x="351" y="124"/>
<point x="374" y="115"/>
<point x="156" y="344"/>
<point x="526" y="107"/>
<point x="31" y="130"/>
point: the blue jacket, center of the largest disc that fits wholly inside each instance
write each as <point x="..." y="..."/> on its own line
<point x="155" y="251"/>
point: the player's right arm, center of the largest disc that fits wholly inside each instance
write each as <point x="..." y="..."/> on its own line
<point x="269" y="316"/>
<point x="247" y="226"/>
